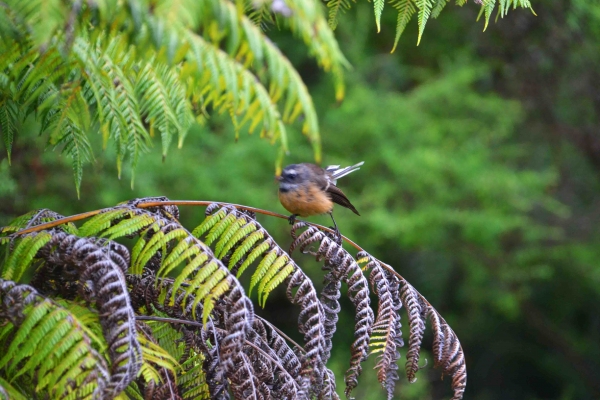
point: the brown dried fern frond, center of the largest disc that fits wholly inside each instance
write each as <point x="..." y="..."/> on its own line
<point x="100" y="268"/>
<point x="447" y="351"/>
<point x="342" y="267"/>
<point x="393" y="291"/>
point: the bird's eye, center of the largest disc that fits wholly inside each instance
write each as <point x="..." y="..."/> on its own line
<point x="291" y="174"/>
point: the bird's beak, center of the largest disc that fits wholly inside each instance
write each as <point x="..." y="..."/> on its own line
<point x="277" y="178"/>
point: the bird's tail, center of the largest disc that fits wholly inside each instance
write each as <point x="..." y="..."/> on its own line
<point x="337" y="172"/>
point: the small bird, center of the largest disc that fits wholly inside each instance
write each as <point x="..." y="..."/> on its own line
<point x="307" y="189"/>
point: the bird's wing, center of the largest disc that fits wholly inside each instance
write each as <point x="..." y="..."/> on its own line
<point x="338" y="197"/>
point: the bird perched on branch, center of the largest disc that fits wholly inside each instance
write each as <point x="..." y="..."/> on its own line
<point x="307" y="189"/>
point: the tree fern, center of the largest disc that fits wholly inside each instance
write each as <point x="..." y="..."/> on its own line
<point x="199" y="337"/>
<point x="176" y="71"/>
<point x="44" y="340"/>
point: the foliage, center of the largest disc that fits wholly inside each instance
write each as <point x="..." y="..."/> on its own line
<point x="424" y="9"/>
<point x="135" y="69"/>
<point x="130" y="70"/>
<point x="522" y="301"/>
<point x="215" y="339"/>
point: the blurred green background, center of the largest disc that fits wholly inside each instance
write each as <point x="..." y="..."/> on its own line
<point x="480" y="186"/>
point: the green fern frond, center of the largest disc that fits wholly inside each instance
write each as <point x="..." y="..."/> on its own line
<point x="275" y="281"/>
<point x="167" y="337"/>
<point x="192" y="265"/>
<point x="90" y="323"/>
<point x="487" y="8"/>
<point x="132" y="392"/>
<point x="224" y="246"/>
<point x="68" y="124"/>
<point x="308" y="22"/>
<point x="193" y="381"/>
<point x="424" y="7"/>
<point x="9" y="120"/>
<point x="254" y="254"/>
<point x="95" y="225"/>
<point x="405" y="9"/>
<point x="227" y="234"/>
<point x="21" y="257"/>
<point x="157" y="241"/>
<point x="335" y="6"/>
<point x="128" y="226"/>
<point x="269" y="260"/>
<point x="182" y="251"/>
<point x="208" y="223"/>
<point x="260" y="14"/>
<point x="219" y="228"/>
<point x="164" y="103"/>
<point x="378" y="9"/>
<point x="153" y="353"/>
<point x="51" y="343"/>
<point x="280" y="269"/>
<point x="9" y="392"/>
<point x="438" y="7"/>
<point x="244" y="248"/>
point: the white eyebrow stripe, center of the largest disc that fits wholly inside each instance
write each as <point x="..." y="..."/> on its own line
<point x="291" y="171"/>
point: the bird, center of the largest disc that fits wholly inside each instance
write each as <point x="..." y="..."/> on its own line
<point x="307" y="189"/>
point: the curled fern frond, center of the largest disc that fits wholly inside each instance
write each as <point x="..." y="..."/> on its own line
<point x="342" y="267"/>
<point x="205" y="339"/>
<point x="40" y="337"/>
<point x="101" y="273"/>
<point x="275" y="267"/>
<point x="207" y="279"/>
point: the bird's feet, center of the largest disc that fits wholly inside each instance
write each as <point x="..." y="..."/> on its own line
<point x="292" y="219"/>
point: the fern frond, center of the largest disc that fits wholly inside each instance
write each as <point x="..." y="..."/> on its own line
<point x="103" y="267"/>
<point x="274" y="268"/>
<point x="229" y="348"/>
<point x="68" y="125"/>
<point x="9" y="120"/>
<point x="405" y="9"/>
<point x="386" y="335"/>
<point x="103" y="221"/>
<point x="342" y="267"/>
<point x="52" y="341"/>
<point x="23" y="254"/>
<point x="164" y="103"/>
<point x="156" y="355"/>
<point x="438" y="7"/>
<point x="487" y="8"/>
<point x="424" y="7"/>
<point x="205" y="277"/>
<point x="192" y="381"/>
<point x="378" y="9"/>
<point x="335" y="6"/>
<point x="308" y="22"/>
<point x="9" y="392"/>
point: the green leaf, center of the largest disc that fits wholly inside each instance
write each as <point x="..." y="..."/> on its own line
<point x="378" y="9"/>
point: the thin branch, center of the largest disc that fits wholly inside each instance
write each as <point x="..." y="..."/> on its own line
<point x="61" y="221"/>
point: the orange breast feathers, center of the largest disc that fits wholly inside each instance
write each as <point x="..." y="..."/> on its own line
<point x="306" y="201"/>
